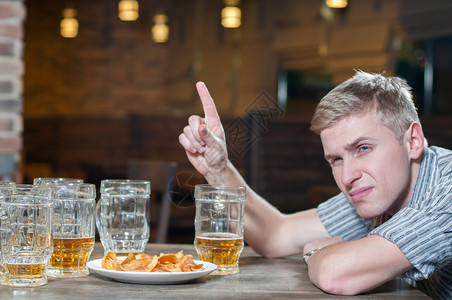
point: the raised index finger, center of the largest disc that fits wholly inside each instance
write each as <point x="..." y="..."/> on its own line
<point x="210" y="111"/>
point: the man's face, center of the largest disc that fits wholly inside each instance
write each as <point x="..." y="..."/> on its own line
<point x="369" y="165"/>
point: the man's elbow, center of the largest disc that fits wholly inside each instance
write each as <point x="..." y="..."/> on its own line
<point x="332" y="281"/>
<point x="266" y="251"/>
<point x="335" y="286"/>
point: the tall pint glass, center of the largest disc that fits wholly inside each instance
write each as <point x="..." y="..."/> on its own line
<point x="219" y="226"/>
<point x="122" y="216"/>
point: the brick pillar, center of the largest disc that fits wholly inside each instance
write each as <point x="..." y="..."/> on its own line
<point x="12" y="15"/>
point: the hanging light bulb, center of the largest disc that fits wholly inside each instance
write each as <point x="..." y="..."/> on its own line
<point x="69" y="24"/>
<point x="231" y="14"/>
<point x="128" y="10"/>
<point x="337" y="3"/>
<point x="160" y="30"/>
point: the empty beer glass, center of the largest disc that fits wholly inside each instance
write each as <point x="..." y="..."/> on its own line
<point x="7" y="184"/>
<point x="25" y="235"/>
<point x="219" y="226"/>
<point x="73" y="229"/>
<point x="55" y="180"/>
<point x="123" y="215"/>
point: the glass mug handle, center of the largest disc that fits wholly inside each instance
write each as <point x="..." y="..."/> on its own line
<point x="4" y="270"/>
<point x="98" y="209"/>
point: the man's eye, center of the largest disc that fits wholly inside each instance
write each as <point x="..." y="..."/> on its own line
<point x="334" y="161"/>
<point x="364" y="148"/>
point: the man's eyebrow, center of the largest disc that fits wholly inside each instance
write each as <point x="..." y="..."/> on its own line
<point x="330" y="156"/>
<point x="356" y="142"/>
<point x="348" y="147"/>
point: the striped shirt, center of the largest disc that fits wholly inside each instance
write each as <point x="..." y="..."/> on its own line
<point x="422" y="230"/>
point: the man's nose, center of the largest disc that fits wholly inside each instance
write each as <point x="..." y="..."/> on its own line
<point x="350" y="172"/>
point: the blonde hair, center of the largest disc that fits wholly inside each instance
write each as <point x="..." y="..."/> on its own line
<point x="389" y="96"/>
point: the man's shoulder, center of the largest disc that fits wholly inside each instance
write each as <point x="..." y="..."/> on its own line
<point x="443" y="159"/>
<point x="440" y="151"/>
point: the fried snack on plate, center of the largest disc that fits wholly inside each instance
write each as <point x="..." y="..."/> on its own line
<point x="168" y="259"/>
<point x="169" y="262"/>
<point x="110" y="261"/>
<point x="131" y="263"/>
<point x="188" y="265"/>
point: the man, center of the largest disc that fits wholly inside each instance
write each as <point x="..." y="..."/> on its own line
<point x="394" y="214"/>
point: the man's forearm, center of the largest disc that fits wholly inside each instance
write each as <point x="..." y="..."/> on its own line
<point x="358" y="266"/>
<point x="268" y="231"/>
<point x="262" y="220"/>
<point x="227" y="176"/>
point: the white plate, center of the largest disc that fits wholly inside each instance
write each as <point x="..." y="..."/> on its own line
<point x="152" y="277"/>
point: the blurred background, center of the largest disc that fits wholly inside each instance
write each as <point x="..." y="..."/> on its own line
<point x="88" y="86"/>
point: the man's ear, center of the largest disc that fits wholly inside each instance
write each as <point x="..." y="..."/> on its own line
<point x="415" y="140"/>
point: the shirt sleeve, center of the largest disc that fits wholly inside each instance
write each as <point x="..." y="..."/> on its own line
<point x="423" y="234"/>
<point x="341" y="219"/>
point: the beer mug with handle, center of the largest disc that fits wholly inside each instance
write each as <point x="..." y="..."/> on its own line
<point x="25" y="229"/>
<point x="219" y="226"/>
<point x="122" y="216"/>
<point x="55" y="180"/>
<point x="6" y="188"/>
<point x="73" y="229"/>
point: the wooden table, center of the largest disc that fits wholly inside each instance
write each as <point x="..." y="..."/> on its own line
<point x="259" y="278"/>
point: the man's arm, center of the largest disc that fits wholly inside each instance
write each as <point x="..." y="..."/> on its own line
<point x="268" y="231"/>
<point x="354" y="267"/>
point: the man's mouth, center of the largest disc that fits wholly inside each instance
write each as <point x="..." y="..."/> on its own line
<point x="360" y="193"/>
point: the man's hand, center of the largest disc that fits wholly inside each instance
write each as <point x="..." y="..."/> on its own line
<point x="317" y="244"/>
<point x="204" y="141"/>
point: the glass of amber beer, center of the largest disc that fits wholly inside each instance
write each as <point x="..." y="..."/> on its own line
<point x="73" y="229"/>
<point x="25" y="235"/>
<point x="219" y="226"/>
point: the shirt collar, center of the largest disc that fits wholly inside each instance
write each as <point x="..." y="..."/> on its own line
<point x="424" y="179"/>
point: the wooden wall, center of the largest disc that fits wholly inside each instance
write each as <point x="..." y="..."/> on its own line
<point x="96" y="148"/>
